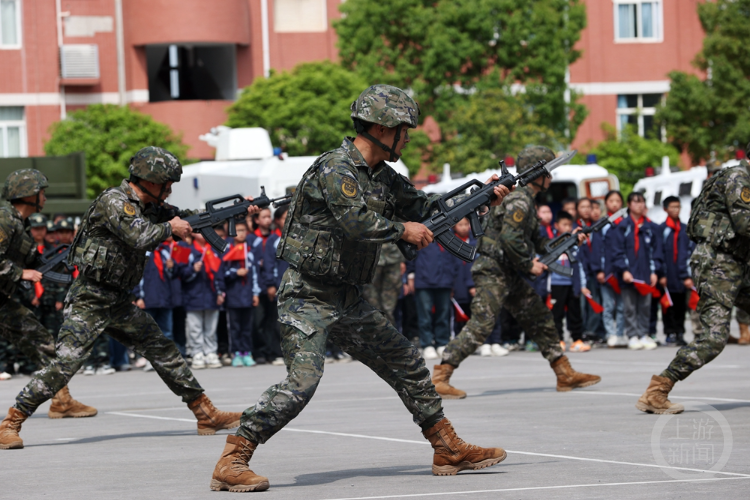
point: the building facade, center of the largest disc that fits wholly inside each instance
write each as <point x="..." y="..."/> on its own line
<point x="183" y="61"/>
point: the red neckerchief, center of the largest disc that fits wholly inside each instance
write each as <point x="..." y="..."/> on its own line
<point x="637" y="224"/>
<point x="550" y="234"/>
<point x="159" y="263"/>
<point x="277" y="232"/>
<point x="675" y="225"/>
<point x="40" y="249"/>
<point x="259" y="234"/>
<point x="617" y="220"/>
<point x="440" y="247"/>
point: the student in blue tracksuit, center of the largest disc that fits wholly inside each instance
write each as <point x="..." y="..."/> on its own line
<point x="676" y="246"/>
<point x="178" y="312"/>
<point x="591" y="320"/>
<point x="435" y="271"/>
<point x="237" y="285"/>
<point x="463" y="286"/>
<point x="636" y="256"/>
<point x="200" y="302"/>
<point x="600" y="264"/>
<point x="565" y="291"/>
<point x="272" y="271"/>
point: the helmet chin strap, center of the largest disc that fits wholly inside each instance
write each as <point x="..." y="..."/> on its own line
<point x="390" y="150"/>
<point x="37" y="206"/>
<point x="159" y="201"/>
<point x="541" y="187"/>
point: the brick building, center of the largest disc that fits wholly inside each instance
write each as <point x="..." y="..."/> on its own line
<point x="183" y="61"/>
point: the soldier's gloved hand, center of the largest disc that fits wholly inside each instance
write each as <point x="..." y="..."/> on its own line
<point x="417" y="234"/>
<point x="499" y="191"/>
<point x="35" y="276"/>
<point x="537" y="267"/>
<point x="180" y="228"/>
<point x="252" y="209"/>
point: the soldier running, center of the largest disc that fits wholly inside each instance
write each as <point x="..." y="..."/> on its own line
<point x="24" y="189"/>
<point x="110" y="252"/>
<point x="505" y="251"/>
<point x="720" y="225"/>
<point x="341" y="213"/>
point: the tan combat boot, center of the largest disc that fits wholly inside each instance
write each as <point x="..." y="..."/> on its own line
<point x="654" y="400"/>
<point x="441" y="378"/>
<point x="210" y="419"/>
<point x="453" y="455"/>
<point x="232" y="472"/>
<point x="64" y="406"/>
<point x="9" y="429"/>
<point x="744" y="334"/>
<point x="569" y="379"/>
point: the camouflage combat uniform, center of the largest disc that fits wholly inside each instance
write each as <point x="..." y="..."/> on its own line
<point x="382" y="293"/>
<point x="110" y="252"/>
<point x="720" y="224"/>
<point x="339" y="216"/>
<point x="511" y="240"/>
<point x="51" y="317"/>
<point x="19" y="326"/>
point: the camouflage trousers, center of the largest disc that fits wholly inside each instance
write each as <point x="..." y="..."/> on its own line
<point x="382" y="293"/>
<point x="90" y="311"/>
<point x="311" y="312"/>
<point x="722" y="281"/>
<point x="743" y="317"/>
<point x="497" y="287"/>
<point x="22" y="331"/>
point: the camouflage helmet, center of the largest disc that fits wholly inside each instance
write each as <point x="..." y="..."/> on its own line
<point x="155" y="165"/>
<point x="531" y="155"/>
<point x="23" y="183"/>
<point x="386" y="105"/>
<point x="37" y="220"/>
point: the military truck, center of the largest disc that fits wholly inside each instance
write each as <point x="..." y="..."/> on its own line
<point x="66" y="193"/>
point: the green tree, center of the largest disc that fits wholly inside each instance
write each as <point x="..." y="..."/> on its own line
<point x="109" y="135"/>
<point x="429" y="46"/>
<point x="489" y="126"/>
<point x="628" y="155"/>
<point x="305" y="111"/>
<point x="711" y="115"/>
<point x="417" y="151"/>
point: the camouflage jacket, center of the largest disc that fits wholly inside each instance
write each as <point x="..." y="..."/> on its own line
<point x="342" y="212"/>
<point x="390" y="254"/>
<point x="721" y="214"/>
<point x="17" y="249"/>
<point x="110" y="247"/>
<point x="512" y="234"/>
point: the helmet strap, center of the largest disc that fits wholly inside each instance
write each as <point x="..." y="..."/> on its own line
<point x="136" y="181"/>
<point x="37" y="206"/>
<point x="390" y="150"/>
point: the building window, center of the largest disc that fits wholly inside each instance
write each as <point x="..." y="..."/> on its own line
<point x="191" y="72"/>
<point x="638" y="110"/>
<point x="10" y="24"/>
<point x="638" y="21"/>
<point x="12" y="132"/>
<point x="300" y="16"/>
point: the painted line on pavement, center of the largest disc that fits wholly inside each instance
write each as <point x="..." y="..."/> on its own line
<point x="424" y="443"/>
<point x="535" y="488"/>
<point x="672" y="396"/>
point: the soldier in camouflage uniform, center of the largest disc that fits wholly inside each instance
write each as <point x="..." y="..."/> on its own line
<point x="110" y="252"/>
<point x="54" y="293"/>
<point x="341" y="213"/>
<point x="720" y="225"/>
<point x="506" y="250"/>
<point x="382" y="293"/>
<point x="24" y="189"/>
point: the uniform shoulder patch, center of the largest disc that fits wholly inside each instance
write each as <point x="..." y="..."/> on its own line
<point x="518" y="216"/>
<point x="128" y="209"/>
<point x="349" y="186"/>
<point x="745" y="194"/>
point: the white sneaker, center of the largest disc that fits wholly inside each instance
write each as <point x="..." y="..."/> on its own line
<point x="278" y="362"/>
<point x="648" y="343"/>
<point x="635" y="344"/>
<point x="498" y="350"/>
<point x="440" y="350"/>
<point x="5" y="376"/>
<point x="613" y="341"/>
<point x="430" y="353"/>
<point x="213" y="361"/>
<point x="199" y="362"/>
<point x="148" y="367"/>
<point x="89" y="370"/>
<point x="485" y="350"/>
<point x="105" y="370"/>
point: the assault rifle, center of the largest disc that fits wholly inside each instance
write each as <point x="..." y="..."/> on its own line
<point x="481" y="195"/>
<point x="564" y="243"/>
<point x="205" y="221"/>
<point x="51" y="259"/>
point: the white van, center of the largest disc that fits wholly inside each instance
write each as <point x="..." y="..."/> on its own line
<point x="245" y="161"/>
<point x="685" y="184"/>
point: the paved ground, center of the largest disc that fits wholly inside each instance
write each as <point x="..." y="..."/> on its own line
<point x="356" y="441"/>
